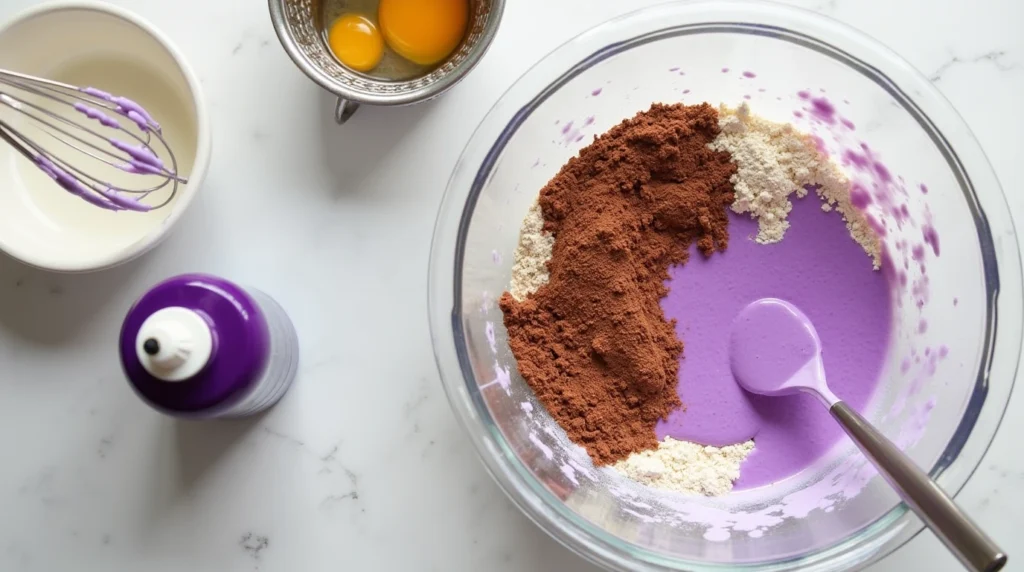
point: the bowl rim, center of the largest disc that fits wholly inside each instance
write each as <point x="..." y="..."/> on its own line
<point x="287" y="39"/>
<point x="201" y="162"/>
<point x="1001" y="260"/>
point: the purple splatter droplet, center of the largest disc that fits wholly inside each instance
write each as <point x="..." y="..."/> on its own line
<point x="597" y="92"/>
<point x="943" y="351"/>
<point x="725" y="70"/>
<point x="823" y="110"/>
<point x="686" y="91"/>
<point x="749" y="74"/>
<point x="491" y="341"/>
<point x="798" y="114"/>
<point x="855" y="159"/>
<point x="761" y="89"/>
<point x="673" y="69"/>
<point x="924" y="189"/>
<point x="566" y="128"/>
<point x="905" y="365"/>
<point x="859" y="197"/>
<point x="746" y="97"/>
<point x="883" y="173"/>
<point x="956" y="301"/>
<point x="931" y="238"/>
<point x="848" y="124"/>
<point x="922" y="326"/>
<point x="803" y="94"/>
<point x="917" y="253"/>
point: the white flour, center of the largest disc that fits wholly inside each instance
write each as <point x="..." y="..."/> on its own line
<point x="687" y="467"/>
<point x="529" y="268"/>
<point x="775" y="160"/>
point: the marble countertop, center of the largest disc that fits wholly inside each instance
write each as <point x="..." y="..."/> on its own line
<point x="362" y="466"/>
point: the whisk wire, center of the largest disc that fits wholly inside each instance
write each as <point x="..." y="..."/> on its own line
<point x="6" y="99"/>
<point x="78" y="125"/>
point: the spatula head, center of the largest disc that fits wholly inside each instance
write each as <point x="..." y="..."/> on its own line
<point x="774" y="349"/>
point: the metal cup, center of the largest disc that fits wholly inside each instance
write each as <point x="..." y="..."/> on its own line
<point x="298" y="24"/>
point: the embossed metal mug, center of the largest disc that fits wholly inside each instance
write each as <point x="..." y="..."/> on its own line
<point x="298" y="24"/>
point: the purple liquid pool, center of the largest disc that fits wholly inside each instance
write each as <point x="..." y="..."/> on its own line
<point x="820" y="269"/>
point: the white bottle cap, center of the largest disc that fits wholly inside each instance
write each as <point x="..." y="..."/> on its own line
<point x="174" y="344"/>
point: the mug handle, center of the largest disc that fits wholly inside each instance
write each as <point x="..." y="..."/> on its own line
<point x="344" y="110"/>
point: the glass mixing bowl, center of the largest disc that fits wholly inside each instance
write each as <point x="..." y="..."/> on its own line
<point x="957" y="326"/>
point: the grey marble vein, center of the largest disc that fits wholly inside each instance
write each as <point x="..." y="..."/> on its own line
<point x="995" y="58"/>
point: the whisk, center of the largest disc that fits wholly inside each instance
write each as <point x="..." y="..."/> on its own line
<point x="84" y="137"/>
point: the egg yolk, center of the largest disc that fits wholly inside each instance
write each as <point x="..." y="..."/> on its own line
<point x="356" y="42"/>
<point x="423" y="31"/>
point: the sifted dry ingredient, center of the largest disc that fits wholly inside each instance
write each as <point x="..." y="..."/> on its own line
<point x="593" y="342"/>
<point x="530" y="260"/>
<point x="687" y="467"/>
<point x="773" y="161"/>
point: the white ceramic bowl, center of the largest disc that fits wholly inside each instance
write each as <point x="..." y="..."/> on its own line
<point x="97" y="45"/>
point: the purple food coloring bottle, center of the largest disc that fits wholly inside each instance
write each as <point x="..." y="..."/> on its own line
<point x="200" y="346"/>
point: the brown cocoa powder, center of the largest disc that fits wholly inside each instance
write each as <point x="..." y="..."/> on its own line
<point x="593" y="343"/>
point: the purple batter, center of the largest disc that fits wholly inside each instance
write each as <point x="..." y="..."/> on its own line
<point x="820" y="269"/>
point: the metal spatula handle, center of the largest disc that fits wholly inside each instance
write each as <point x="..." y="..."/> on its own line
<point x="956" y="530"/>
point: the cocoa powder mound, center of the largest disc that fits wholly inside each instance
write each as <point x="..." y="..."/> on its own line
<point x="593" y="343"/>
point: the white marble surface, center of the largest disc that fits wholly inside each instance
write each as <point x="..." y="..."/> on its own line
<point x="362" y="465"/>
